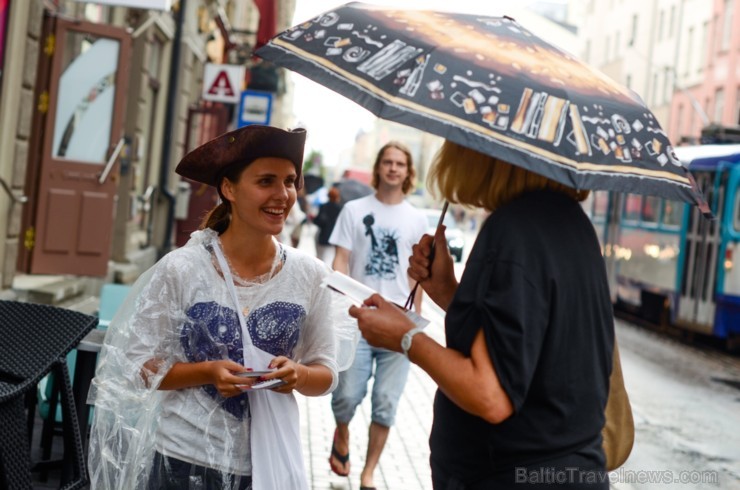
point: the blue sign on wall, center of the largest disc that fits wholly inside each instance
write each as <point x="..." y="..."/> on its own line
<point x="254" y="108"/>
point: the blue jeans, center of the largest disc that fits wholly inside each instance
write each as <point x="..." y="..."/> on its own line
<point x="391" y="371"/>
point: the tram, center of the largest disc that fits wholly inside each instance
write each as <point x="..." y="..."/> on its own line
<point x="669" y="265"/>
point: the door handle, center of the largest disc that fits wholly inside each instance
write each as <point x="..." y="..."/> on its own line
<point x="111" y="160"/>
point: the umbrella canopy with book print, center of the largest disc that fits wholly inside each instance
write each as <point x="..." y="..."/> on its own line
<point x="489" y="84"/>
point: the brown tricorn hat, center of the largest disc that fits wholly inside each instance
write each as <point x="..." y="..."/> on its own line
<point x="209" y="162"/>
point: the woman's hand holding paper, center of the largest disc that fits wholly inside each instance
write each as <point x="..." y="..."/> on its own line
<point x="382" y="325"/>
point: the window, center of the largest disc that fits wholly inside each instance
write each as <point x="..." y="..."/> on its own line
<point x="672" y="21"/>
<point x="672" y="213"/>
<point x="661" y="21"/>
<point x="678" y="128"/>
<point x="724" y="44"/>
<point x="154" y="66"/>
<point x="650" y="209"/>
<point x="689" y="51"/>
<point x="617" y="41"/>
<point x="666" y="85"/>
<point x="633" y="31"/>
<point x="707" y="103"/>
<point x="632" y="208"/>
<point x="719" y="104"/>
<point x="655" y="88"/>
<point x="704" y="44"/>
<point x="736" y="218"/>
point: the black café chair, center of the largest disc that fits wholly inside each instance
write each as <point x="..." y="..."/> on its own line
<point x="34" y="339"/>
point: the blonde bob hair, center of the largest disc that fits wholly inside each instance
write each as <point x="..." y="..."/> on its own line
<point x="468" y="177"/>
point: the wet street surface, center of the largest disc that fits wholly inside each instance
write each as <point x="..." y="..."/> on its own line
<point x="686" y="405"/>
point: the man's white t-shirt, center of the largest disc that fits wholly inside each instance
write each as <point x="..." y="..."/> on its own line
<point x="379" y="237"/>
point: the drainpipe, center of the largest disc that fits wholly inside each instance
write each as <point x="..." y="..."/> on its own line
<point x="169" y="124"/>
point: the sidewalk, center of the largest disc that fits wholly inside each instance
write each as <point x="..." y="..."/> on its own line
<point x="405" y="459"/>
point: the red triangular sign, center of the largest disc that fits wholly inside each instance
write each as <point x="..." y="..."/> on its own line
<point x="221" y="86"/>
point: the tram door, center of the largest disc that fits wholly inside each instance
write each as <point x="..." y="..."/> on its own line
<point x="701" y="251"/>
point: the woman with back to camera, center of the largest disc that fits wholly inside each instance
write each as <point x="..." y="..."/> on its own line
<point x="523" y="380"/>
<point x="176" y="406"/>
<point x="325" y="221"/>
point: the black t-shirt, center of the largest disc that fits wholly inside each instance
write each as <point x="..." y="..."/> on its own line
<point x="535" y="282"/>
<point x="326" y="219"/>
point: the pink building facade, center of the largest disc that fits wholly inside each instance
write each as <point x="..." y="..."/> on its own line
<point x="716" y="99"/>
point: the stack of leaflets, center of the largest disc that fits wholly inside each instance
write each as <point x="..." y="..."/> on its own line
<point x="357" y="293"/>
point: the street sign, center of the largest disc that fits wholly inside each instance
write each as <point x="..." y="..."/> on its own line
<point x="255" y="108"/>
<point x="222" y="83"/>
<point x="139" y="4"/>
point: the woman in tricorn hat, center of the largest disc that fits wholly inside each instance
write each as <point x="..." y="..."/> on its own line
<point x="175" y="405"/>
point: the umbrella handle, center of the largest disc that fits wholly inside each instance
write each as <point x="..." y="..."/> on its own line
<point x="410" y="300"/>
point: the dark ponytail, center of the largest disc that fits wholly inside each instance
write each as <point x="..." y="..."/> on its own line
<point x="218" y="218"/>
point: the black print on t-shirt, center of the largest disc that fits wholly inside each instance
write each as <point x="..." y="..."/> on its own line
<point x="382" y="259"/>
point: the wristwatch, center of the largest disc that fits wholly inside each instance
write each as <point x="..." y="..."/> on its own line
<point x="408" y="337"/>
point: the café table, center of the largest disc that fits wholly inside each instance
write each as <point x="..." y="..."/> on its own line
<point x="34" y="339"/>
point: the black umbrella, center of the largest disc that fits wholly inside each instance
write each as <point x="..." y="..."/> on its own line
<point x="491" y="85"/>
<point x="350" y="189"/>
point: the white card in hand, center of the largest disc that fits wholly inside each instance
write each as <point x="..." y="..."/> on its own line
<point x="354" y="290"/>
<point x="418" y="320"/>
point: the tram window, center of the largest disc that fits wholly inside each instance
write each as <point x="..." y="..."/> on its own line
<point x="632" y="206"/>
<point x="672" y="213"/>
<point x="736" y="218"/>
<point x="601" y="202"/>
<point x="650" y="209"/>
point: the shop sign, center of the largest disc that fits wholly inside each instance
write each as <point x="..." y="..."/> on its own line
<point x="223" y="83"/>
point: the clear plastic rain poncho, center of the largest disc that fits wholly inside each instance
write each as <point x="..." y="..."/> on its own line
<point x="183" y="310"/>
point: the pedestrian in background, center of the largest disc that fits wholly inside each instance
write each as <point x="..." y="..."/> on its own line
<point x="293" y="229"/>
<point x="325" y="221"/>
<point x="373" y="238"/>
<point x="175" y="403"/>
<point x="524" y="378"/>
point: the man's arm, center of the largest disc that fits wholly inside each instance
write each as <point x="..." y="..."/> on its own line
<point x="341" y="260"/>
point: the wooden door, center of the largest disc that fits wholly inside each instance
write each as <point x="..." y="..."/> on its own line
<point x="82" y="140"/>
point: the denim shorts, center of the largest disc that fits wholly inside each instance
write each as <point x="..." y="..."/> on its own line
<point x="391" y="371"/>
